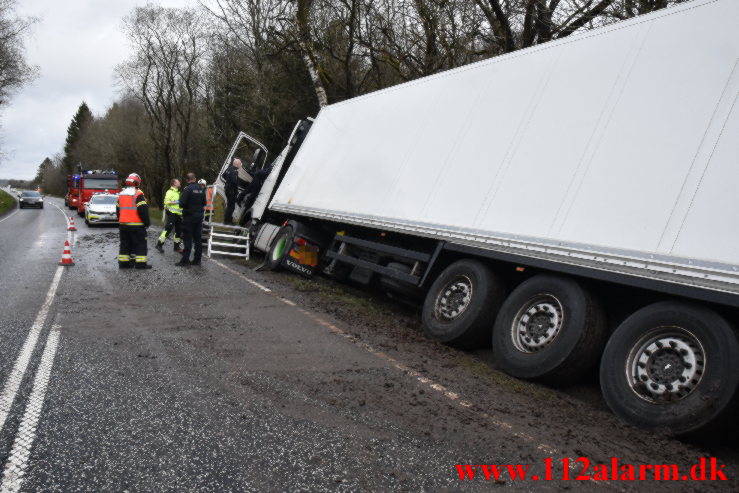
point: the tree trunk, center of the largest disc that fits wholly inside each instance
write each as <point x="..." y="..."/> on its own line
<point x="309" y="55"/>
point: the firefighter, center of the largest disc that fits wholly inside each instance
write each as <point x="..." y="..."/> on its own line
<point x="192" y="202"/>
<point x="174" y="217"/>
<point x="133" y="219"/>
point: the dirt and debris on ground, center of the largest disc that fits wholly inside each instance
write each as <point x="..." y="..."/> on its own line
<point x="197" y="379"/>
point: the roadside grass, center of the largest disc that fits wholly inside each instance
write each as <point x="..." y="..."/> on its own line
<point x="218" y="208"/>
<point x="155" y="215"/>
<point x="7" y="202"/>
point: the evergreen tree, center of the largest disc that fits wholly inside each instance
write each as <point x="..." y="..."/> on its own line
<point x="77" y="127"/>
<point x="43" y="168"/>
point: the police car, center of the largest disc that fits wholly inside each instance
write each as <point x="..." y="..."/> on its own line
<point x="101" y="209"/>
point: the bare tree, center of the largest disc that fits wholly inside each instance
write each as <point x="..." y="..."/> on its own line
<point x="14" y="70"/>
<point x="166" y="72"/>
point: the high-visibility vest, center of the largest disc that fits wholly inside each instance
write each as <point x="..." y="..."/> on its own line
<point x="172" y="201"/>
<point x="128" y="201"/>
<point x="209" y="198"/>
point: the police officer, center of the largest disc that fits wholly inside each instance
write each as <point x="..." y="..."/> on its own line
<point x="133" y="219"/>
<point x="173" y="212"/>
<point x="192" y="201"/>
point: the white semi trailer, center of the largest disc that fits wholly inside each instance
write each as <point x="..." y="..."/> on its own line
<point x="575" y="203"/>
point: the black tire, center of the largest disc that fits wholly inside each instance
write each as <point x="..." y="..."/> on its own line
<point x="280" y="246"/>
<point x="394" y="286"/>
<point x="549" y="328"/>
<point x="462" y="303"/>
<point x="649" y="351"/>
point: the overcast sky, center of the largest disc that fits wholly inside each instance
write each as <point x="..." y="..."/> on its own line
<point x="76" y="44"/>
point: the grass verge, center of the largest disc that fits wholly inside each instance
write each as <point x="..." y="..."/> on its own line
<point x="6" y="202"/>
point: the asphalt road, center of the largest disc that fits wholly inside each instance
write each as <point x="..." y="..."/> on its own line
<point x="222" y="379"/>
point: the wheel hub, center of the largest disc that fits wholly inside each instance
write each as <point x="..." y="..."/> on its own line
<point x="454" y="299"/>
<point x="537" y="324"/>
<point x="667" y="366"/>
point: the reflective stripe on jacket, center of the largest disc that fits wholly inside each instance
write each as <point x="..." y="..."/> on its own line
<point x="128" y="202"/>
<point x="172" y="201"/>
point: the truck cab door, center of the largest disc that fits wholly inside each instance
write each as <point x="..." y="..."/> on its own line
<point x="253" y="155"/>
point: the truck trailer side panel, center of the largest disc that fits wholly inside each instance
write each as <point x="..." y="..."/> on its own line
<point x="619" y="142"/>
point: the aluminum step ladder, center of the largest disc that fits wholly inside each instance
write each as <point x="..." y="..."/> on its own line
<point x="226" y="239"/>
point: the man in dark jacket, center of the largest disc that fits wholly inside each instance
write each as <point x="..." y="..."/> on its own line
<point x="252" y="191"/>
<point x="231" y="188"/>
<point x="192" y="202"/>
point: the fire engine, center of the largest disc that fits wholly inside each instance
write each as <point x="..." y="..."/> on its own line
<point x="82" y="185"/>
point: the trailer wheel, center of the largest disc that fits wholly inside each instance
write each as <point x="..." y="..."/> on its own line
<point x="550" y="328"/>
<point x="671" y="366"/>
<point x="462" y="303"/>
<point x="280" y="246"/>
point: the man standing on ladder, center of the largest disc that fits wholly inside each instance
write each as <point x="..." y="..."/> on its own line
<point x="192" y="202"/>
<point x="133" y="219"/>
<point x="174" y="217"/>
<point x="231" y="187"/>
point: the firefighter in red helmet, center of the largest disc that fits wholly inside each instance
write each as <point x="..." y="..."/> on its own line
<point x="133" y="219"/>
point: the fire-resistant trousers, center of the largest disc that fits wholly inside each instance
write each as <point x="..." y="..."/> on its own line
<point x="133" y="246"/>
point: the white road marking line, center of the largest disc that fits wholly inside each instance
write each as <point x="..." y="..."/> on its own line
<point x="15" y="468"/>
<point x="71" y="236"/>
<point x="9" y="215"/>
<point x="253" y="283"/>
<point x="454" y="397"/>
<point x="63" y="213"/>
<point x="21" y="363"/>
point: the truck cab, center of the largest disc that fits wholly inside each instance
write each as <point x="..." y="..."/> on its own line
<point x="92" y="182"/>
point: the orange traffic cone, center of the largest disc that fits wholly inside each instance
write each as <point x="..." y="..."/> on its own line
<point x="71" y="224"/>
<point x="67" y="255"/>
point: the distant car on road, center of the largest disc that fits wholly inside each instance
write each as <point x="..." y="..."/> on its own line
<point x="30" y="199"/>
<point x="101" y="209"/>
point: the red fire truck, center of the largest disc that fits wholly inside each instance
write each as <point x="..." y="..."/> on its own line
<point x="82" y="185"/>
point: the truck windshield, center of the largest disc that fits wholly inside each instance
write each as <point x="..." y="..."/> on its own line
<point x="101" y="183"/>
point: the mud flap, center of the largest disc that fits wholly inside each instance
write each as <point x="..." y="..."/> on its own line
<point x="302" y="257"/>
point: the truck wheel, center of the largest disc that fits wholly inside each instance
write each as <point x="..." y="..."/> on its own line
<point x="671" y="366"/>
<point x="394" y="286"/>
<point x="281" y="245"/>
<point x="462" y="303"/>
<point x="551" y="328"/>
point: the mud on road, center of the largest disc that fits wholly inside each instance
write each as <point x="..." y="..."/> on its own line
<point x="354" y="367"/>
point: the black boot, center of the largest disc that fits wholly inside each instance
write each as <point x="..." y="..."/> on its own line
<point x="160" y="247"/>
<point x="143" y="265"/>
